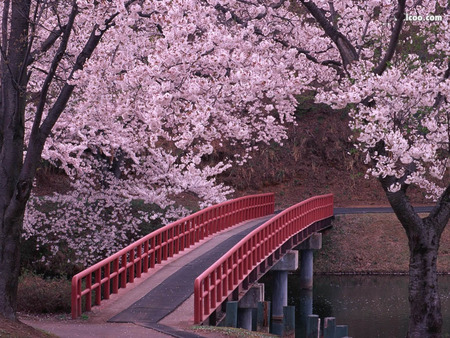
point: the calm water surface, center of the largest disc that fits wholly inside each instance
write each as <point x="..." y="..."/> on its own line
<point x="371" y="306"/>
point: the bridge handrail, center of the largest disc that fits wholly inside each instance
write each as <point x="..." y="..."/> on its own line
<point x="216" y="283"/>
<point x="114" y="272"/>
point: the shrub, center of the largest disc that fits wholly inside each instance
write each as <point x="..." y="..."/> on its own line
<point x="39" y="295"/>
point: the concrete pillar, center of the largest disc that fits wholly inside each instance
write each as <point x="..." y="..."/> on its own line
<point x="305" y="308"/>
<point x="289" y="262"/>
<point x="245" y="319"/>
<point x="313" y="327"/>
<point x="329" y="327"/>
<point x="264" y="316"/>
<point x="341" y="331"/>
<point x="255" y="318"/>
<point x="306" y="264"/>
<point x="289" y="320"/>
<point x="231" y="314"/>
<point x="246" y="305"/>
<point x="279" y="296"/>
<point x="306" y="269"/>
<point x="276" y="327"/>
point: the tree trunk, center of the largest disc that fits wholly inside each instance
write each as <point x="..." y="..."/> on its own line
<point x="424" y="234"/>
<point x="14" y="190"/>
<point x="9" y="267"/>
<point x="425" y="308"/>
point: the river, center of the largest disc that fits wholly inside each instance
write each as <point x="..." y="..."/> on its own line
<point x="371" y="306"/>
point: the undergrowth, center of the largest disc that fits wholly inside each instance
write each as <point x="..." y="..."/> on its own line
<point x="40" y="295"/>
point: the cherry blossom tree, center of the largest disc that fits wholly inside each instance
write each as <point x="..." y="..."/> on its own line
<point x="129" y="98"/>
<point x="395" y="59"/>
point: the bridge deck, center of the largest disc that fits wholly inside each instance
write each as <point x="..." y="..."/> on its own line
<point x="164" y="290"/>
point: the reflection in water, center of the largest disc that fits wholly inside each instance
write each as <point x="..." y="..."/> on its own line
<point x="371" y="306"/>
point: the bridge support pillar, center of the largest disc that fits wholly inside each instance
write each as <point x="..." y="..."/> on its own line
<point x="306" y="259"/>
<point x="305" y="306"/>
<point x="288" y="262"/>
<point x="246" y="305"/>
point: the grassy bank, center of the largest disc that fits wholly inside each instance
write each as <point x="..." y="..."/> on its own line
<point x="370" y="243"/>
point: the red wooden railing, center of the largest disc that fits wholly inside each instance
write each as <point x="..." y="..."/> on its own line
<point x="114" y="272"/>
<point x="214" y="285"/>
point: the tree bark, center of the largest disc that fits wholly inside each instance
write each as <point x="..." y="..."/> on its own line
<point x="425" y="307"/>
<point x="9" y="266"/>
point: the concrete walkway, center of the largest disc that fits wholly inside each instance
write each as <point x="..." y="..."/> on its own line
<point x="144" y="308"/>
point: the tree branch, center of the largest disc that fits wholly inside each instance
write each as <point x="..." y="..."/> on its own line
<point x="400" y="16"/>
<point x="346" y="49"/>
<point x="3" y="46"/>
<point x="364" y="36"/>
<point x="440" y="98"/>
<point x="5" y="26"/>
<point x="401" y="205"/>
<point x="85" y="54"/>
<point x="331" y="63"/>
<point x="52" y="71"/>
<point x="257" y="31"/>
<point x="46" y="45"/>
<point x="441" y="211"/>
<point x="333" y="14"/>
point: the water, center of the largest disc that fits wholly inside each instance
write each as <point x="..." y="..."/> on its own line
<point x="371" y="306"/>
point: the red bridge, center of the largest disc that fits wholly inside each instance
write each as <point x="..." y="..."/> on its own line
<point x="228" y="276"/>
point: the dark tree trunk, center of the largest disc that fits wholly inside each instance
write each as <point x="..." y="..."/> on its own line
<point x="13" y="192"/>
<point x="425" y="307"/>
<point x="424" y="234"/>
<point x="9" y="267"/>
